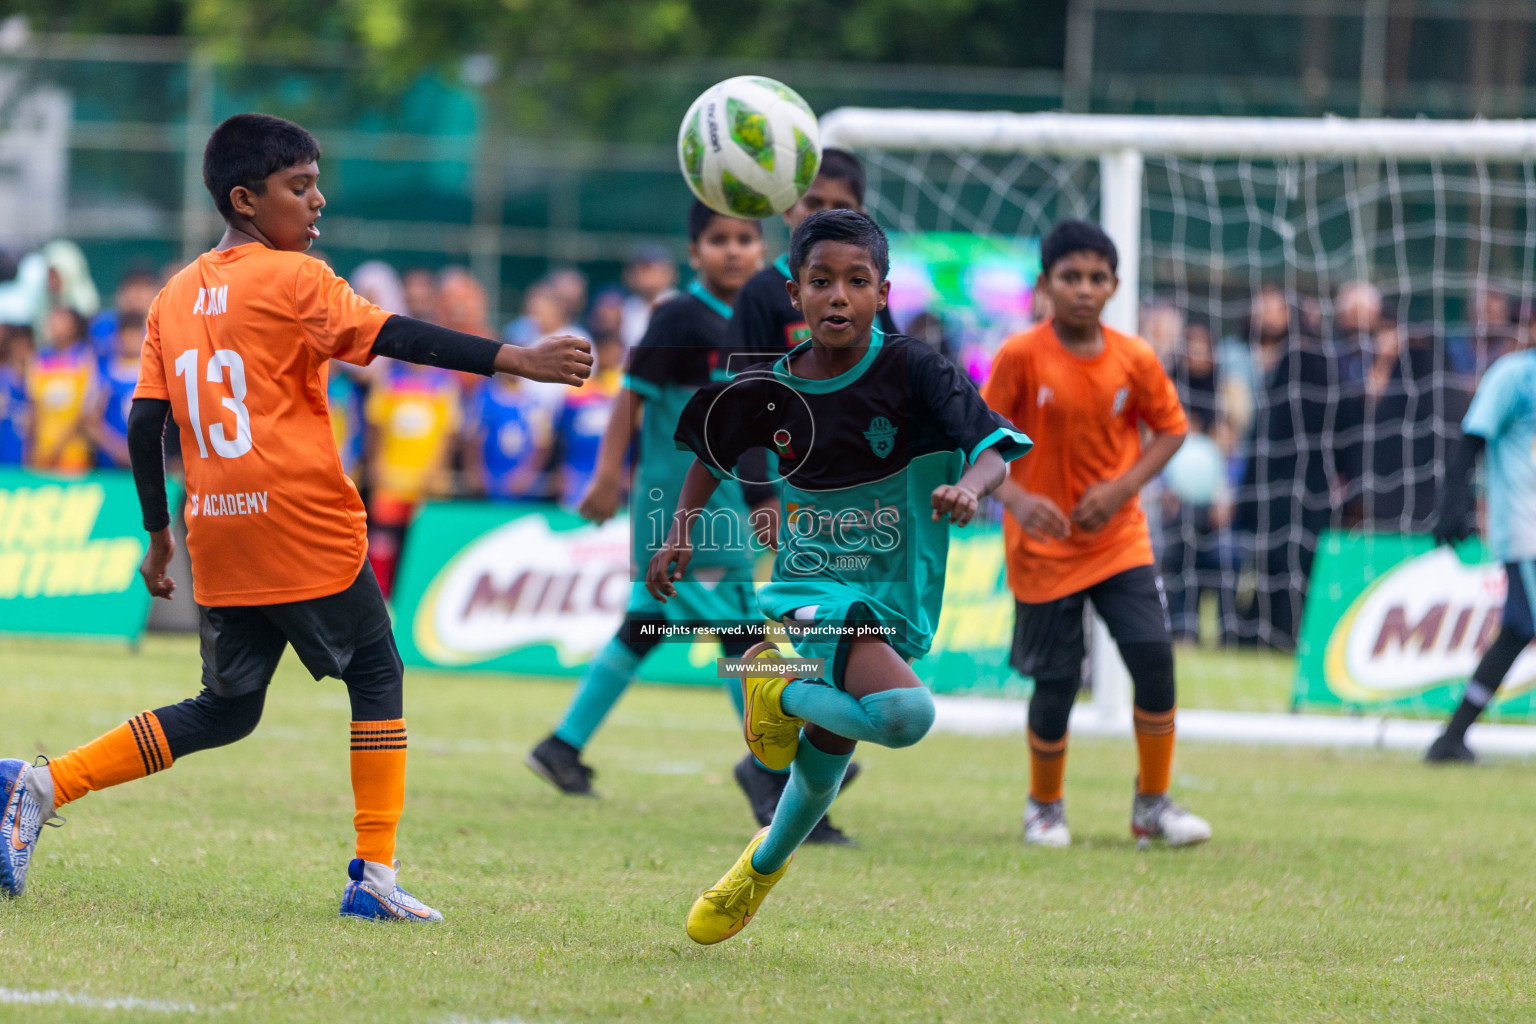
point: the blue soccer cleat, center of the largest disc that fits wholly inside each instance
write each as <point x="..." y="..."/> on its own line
<point x="20" y="825"/>
<point x="363" y="899"/>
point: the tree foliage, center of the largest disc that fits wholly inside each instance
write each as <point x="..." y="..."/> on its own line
<point x="574" y="61"/>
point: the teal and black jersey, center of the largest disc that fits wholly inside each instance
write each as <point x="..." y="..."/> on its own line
<point x="684" y="348"/>
<point x="858" y="458"/>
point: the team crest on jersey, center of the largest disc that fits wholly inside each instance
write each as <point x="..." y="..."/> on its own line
<point x="881" y="436"/>
<point x="1118" y="406"/>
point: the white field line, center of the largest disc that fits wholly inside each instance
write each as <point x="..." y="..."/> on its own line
<point x="20" y="997"/>
<point x="992" y="716"/>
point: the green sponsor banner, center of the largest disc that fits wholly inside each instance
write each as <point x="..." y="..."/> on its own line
<point x="1394" y="624"/>
<point x="528" y="589"/>
<point x="975" y="631"/>
<point x="536" y="590"/>
<point x="70" y="548"/>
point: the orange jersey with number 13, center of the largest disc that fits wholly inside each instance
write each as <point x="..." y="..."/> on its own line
<point x="238" y="343"/>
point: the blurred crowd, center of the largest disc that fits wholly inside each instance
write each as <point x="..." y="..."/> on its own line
<point x="1315" y="413"/>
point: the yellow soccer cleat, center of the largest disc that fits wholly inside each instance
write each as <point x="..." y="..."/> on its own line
<point x="772" y="736"/>
<point x="727" y="908"/>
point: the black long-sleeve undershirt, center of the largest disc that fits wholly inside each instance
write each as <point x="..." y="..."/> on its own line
<point x="146" y="454"/>
<point x="415" y="341"/>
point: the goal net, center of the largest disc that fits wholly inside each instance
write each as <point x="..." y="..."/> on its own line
<point x="1326" y="294"/>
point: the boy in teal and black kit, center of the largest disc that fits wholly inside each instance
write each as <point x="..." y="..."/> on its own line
<point x="879" y="440"/>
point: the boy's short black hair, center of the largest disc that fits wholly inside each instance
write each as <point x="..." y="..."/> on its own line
<point x="841" y="165"/>
<point x="849" y="226"/>
<point x="246" y="148"/>
<point x="1071" y="236"/>
<point x="700" y="215"/>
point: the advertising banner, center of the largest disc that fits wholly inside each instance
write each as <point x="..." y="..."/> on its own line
<point x="1394" y="624"/>
<point x="535" y="590"/>
<point x="70" y="548"/>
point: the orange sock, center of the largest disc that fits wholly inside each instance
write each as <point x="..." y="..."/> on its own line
<point x="1154" y="751"/>
<point x="1047" y="766"/>
<point x="131" y="751"/>
<point x="378" y="787"/>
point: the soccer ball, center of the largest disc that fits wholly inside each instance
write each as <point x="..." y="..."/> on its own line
<point x="749" y="147"/>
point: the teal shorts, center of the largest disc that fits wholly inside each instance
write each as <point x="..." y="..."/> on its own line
<point x="827" y="628"/>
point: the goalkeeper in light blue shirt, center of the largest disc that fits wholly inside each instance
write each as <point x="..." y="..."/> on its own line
<point x="1501" y="427"/>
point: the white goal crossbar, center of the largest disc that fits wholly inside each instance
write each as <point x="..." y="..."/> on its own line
<point x="1097" y="134"/>
<point x="1121" y="144"/>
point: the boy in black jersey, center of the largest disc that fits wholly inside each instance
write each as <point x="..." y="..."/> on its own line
<point x="881" y="444"/>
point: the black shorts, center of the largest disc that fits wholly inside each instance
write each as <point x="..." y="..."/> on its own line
<point x="241" y="645"/>
<point x="1048" y="638"/>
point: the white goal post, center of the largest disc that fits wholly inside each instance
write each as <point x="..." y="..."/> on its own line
<point x="1391" y="192"/>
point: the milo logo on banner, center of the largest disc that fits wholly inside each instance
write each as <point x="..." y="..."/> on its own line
<point x="525" y="583"/>
<point x="1393" y="621"/>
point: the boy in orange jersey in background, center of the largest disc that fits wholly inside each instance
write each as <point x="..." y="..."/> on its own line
<point x="1076" y="531"/>
<point x="237" y="344"/>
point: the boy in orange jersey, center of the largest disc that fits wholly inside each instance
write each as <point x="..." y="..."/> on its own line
<point x="1076" y="530"/>
<point x="237" y="344"/>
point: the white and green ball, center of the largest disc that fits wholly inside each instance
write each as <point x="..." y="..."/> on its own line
<point x="749" y="147"/>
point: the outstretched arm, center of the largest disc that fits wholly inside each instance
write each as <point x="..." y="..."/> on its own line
<point x="562" y="359"/>
<point x="146" y="454"/>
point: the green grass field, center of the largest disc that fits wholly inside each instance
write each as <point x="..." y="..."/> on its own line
<point x="1340" y="887"/>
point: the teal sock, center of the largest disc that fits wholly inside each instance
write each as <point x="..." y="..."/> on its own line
<point x="891" y="718"/>
<point x="826" y="706"/>
<point x="607" y="677"/>
<point x="814" y="779"/>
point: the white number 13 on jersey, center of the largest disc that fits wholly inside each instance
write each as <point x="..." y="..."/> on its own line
<point x="228" y="447"/>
